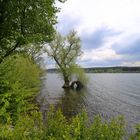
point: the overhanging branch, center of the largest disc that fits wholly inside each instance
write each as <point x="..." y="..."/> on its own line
<point x="10" y="51"/>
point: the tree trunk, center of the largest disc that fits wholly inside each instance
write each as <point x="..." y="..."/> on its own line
<point x="66" y="82"/>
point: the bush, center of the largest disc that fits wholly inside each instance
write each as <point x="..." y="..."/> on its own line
<point x="58" y="128"/>
<point x="136" y="136"/>
<point x="19" y="82"/>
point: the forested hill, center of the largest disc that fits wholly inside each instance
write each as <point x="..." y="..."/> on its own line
<point x="106" y="70"/>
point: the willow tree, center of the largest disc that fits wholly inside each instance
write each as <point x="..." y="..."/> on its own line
<point x="64" y="51"/>
<point x="25" y="21"/>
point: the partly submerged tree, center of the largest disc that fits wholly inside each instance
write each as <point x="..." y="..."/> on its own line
<point x="25" y="21"/>
<point x="65" y="50"/>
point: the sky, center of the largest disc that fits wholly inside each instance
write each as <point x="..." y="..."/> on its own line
<point x="109" y="31"/>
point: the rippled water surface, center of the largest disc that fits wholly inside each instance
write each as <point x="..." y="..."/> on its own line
<point x="106" y="94"/>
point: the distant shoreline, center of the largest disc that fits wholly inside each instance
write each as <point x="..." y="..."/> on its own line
<point x="105" y="70"/>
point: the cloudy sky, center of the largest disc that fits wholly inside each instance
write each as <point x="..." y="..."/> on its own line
<point x="109" y="30"/>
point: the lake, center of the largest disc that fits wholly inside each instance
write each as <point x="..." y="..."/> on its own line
<point x="109" y="95"/>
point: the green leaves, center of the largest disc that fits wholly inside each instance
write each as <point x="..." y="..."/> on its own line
<point x="79" y="128"/>
<point x="136" y="136"/>
<point x="107" y="130"/>
<point x="56" y="126"/>
<point x="65" y="51"/>
<point x="29" y="126"/>
<point x="24" y="22"/>
<point x="19" y="81"/>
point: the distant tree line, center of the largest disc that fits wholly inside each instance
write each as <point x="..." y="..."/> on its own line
<point x="113" y="70"/>
<point x="107" y="70"/>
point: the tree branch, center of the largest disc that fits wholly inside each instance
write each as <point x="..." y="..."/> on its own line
<point x="10" y="51"/>
<point x="68" y="50"/>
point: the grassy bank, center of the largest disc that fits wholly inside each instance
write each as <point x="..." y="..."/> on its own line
<point x="20" y="118"/>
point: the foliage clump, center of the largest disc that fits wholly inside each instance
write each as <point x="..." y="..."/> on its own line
<point x="24" y="22"/>
<point x="58" y="128"/>
<point x="19" y="83"/>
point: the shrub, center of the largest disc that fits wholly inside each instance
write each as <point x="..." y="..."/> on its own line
<point x="19" y="80"/>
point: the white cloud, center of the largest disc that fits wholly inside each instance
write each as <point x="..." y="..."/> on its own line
<point x="119" y="14"/>
<point x="134" y="64"/>
<point x="101" y="54"/>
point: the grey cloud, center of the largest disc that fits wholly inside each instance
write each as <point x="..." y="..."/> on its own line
<point x="97" y="38"/>
<point x="132" y="48"/>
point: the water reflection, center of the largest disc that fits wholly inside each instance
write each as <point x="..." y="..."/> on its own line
<point x="72" y="102"/>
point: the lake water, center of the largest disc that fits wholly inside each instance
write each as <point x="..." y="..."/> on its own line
<point x="109" y="95"/>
